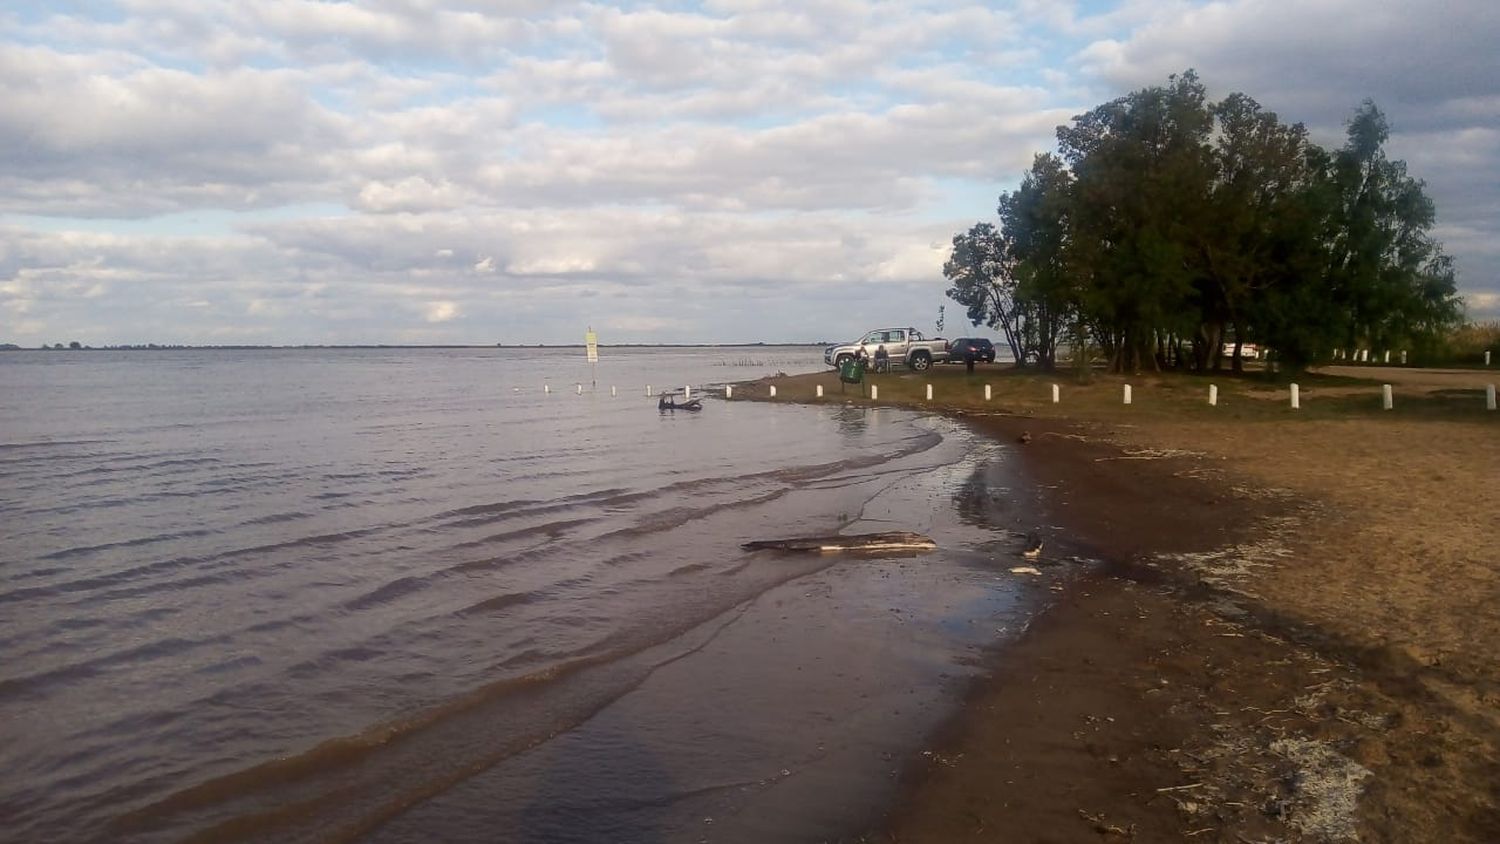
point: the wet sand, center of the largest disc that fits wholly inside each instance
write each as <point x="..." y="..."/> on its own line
<point x="1292" y="639"/>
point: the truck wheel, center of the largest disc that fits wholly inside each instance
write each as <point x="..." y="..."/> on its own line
<point x="920" y="362"/>
<point x="838" y="362"/>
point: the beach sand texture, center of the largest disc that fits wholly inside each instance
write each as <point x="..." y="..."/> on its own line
<point x="1293" y="639"/>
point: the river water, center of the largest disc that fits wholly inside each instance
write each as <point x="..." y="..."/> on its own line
<point x="410" y="594"/>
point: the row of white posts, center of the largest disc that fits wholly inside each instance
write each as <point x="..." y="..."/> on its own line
<point x="1387" y="399"/>
<point x="1363" y="356"/>
<point x="687" y="391"/>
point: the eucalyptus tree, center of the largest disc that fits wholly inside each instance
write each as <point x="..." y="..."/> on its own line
<point x="1165" y="217"/>
<point x="982" y="273"/>
<point x="1387" y="274"/>
<point x="1261" y="175"/>
<point x="1036" y="220"/>
<point x="1142" y="171"/>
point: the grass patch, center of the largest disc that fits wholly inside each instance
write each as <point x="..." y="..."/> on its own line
<point x="1250" y="397"/>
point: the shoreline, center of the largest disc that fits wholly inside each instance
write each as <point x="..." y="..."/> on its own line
<point x="1305" y="676"/>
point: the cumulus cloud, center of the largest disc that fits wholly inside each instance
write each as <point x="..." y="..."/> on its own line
<point x="441" y="311"/>
<point x="444" y="170"/>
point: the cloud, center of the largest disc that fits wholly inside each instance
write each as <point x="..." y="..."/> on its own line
<point x="441" y="311"/>
<point x="728" y="170"/>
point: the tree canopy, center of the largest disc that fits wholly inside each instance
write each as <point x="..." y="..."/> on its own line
<point x="1167" y="225"/>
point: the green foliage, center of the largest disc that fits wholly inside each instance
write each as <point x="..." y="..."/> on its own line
<point x="1168" y="224"/>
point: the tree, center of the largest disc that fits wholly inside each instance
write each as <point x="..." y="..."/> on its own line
<point x="1142" y="169"/>
<point x="1261" y="168"/>
<point x="1036" y="218"/>
<point x="1390" y="276"/>
<point x="982" y="273"/>
<point x="1168" y="220"/>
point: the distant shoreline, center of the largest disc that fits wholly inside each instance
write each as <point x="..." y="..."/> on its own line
<point x="180" y="348"/>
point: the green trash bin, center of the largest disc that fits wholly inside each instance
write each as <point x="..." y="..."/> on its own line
<point x="853" y="371"/>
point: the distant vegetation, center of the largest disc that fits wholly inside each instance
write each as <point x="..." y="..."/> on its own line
<point x="1167" y="226"/>
<point x="1469" y="342"/>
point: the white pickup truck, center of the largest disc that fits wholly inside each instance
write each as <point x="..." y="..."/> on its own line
<point x="904" y="345"/>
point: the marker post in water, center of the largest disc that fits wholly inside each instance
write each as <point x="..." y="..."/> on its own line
<point x="820" y="391"/>
<point x="1056" y="394"/>
<point x="773" y="391"/>
<point x="986" y="392"/>
<point x="1489" y="397"/>
<point x="929" y="392"/>
<point x="728" y="391"/>
<point x="1387" y="401"/>
<point x="1213" y="395"/>
<point x="1126" y="396"/>
<point x="875" y="392"/>
<point x="591" y="350"/>
<point x="1296" y="398"/>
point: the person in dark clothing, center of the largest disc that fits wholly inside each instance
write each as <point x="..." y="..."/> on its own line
<point x="882" y="359"/>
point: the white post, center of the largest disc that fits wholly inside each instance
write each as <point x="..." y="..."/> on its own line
<point x="1364" y="355"/>
<point x="1127" y="394"/>
<point x="1486" y="357"/>
<point x="929" y="392"/>
<point x="1056" y="394"/>
<point x="1403" y="357"/>
<point x="773" y="391"/>
<point x="1338" y="353"/>
<point x="1213" y="395"/>
<point x="1387" y="356"/>
<point x="1296" y="398"/>
<point x="986" y="392"/>
<point x="728" y="391"/>
<point x="546" y="388"/>
<point x="612" y="392"/>
<point x="580" y="389"/>
<point x="648" y="389"/>
<point x="1386" y="399"/>
<point x="1489" y="397"/>
<point x="820" y="391"/>
<point x="687" y="392"/>
<point x="874" y="392"/>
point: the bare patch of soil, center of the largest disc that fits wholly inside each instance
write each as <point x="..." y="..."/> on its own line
<point x="1295" y="641"/>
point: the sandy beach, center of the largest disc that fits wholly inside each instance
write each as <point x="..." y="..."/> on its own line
<point x="1291" y="638"/>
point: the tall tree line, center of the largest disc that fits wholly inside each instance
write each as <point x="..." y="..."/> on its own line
<point x="1166" y="226"/>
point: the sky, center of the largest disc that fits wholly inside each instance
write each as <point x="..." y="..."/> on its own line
<point x="514" y="171"/>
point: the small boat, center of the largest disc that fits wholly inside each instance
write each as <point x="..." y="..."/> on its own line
<point x="667" y="402"/>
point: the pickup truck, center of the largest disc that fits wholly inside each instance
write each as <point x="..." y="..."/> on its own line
<point x="904" y="345"/>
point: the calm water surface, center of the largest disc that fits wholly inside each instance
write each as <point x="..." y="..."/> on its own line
<point x="407" y="594"/>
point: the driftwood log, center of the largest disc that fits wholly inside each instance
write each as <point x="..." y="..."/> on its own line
<point x="896" y="541"/>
